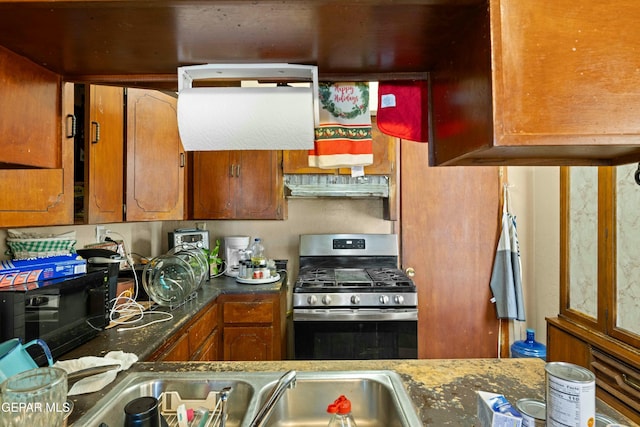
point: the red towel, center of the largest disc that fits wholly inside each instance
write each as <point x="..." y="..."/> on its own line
<point x="343" y="137"/>
<point x="403" y="109"/>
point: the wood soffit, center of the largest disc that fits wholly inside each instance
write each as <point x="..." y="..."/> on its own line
<point x="145" y="41"/>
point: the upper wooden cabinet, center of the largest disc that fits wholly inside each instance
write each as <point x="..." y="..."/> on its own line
<point x="384" y="157"/>
<point x="133" y="163"/>
<point x="540" y="83"/>
<point x="104" y="154"/>
<point x="36" y="144"/>
<point x="599" y="250"/>
<point x="599" y="321"/>
<point x="238" y="185"/>
<point x="155" y="158"/>
<point x="547" y="82"/>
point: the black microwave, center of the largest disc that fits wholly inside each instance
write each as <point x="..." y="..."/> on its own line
<point x="65" y="312"/>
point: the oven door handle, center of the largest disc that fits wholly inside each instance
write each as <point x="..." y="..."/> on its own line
<point x="353" y="315"/>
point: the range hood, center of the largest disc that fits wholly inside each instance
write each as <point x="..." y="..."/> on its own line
<point x="326" y="185"/>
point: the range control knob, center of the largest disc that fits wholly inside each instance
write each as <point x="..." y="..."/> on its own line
<point x="398" y="299"/>
<point x="355" y="299"/>
<point x="311" y="299"/>
<point x="326" y="300"/>
<point x="384" y="299"/>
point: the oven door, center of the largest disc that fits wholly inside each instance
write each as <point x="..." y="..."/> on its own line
<point x="355" y="334"/>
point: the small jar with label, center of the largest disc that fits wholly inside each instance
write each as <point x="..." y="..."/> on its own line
<point x="248" y="270"/>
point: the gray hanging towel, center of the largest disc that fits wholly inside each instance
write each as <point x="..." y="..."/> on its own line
<point x="506" y="278"/>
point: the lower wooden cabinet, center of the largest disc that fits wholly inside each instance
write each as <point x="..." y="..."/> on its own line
<point x="198" y="340"/>
<point x="615" y="364"/>
<point x="253" y="326"/>
<point x="177" y="352"/>
<point x="245" y="326"/>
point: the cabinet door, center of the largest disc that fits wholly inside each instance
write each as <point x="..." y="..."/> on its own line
<point x="449" y="295"/>
<point x="155" y="158"/>
<point x="213" y="192"/>
<point x="259" y="185"/>
<point x="579" y="248"/>
<point x="30" y="110"/>
<point x="210" y="348"/>
<point x="104" y="163"/>
<point x="179" y="352"/>
<point x="248" y="343"/>
<point x="238" y="185"/>
<point x="624" y="300"/>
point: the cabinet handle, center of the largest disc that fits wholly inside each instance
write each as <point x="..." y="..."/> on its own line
<point x="96" y="127"/>
<point x="71" y="126"/>
<point x="631" y="382"/>
<point x="237" y="171"/>
<point x="231" y="171"/>
<point x="181" y="160"/>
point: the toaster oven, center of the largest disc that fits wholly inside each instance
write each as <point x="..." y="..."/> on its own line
<point x="191" y="237"/>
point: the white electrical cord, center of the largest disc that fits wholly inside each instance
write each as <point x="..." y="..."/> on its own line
<point x="126" y="306"/>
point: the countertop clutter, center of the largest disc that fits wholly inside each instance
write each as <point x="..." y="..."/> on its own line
<point x="144" y="341"/>
<point x="442" y="391"/>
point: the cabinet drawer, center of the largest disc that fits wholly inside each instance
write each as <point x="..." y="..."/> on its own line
<point x="248" y="312"/>
<point x="202" y="329"/>
<point x="617" y="378"/>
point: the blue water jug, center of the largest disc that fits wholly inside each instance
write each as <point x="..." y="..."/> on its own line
<point x="529" y="347"/>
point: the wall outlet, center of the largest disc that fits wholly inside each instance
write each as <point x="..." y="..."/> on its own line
<point x="101" y="233"/>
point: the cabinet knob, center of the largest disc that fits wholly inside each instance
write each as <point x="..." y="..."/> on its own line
<point x="410" y="272"/>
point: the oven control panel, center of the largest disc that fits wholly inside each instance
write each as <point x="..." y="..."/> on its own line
<point x="348" y="244"/>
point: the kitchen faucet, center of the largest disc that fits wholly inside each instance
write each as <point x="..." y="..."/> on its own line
<point x="288" y="380"/>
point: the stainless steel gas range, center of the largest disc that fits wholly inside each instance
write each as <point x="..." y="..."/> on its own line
<point x="351" y="301"/>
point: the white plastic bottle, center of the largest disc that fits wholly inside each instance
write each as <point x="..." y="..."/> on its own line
<point x="257" y="252"/>
<point x="341" y="413"/>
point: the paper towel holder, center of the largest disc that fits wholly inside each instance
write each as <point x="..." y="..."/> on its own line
<point x="277" y="71"/>
<point x="213" y="117"/>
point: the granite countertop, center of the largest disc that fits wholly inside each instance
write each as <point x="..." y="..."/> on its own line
<point x="443" y="391"/>
<point x="144" y="341"/>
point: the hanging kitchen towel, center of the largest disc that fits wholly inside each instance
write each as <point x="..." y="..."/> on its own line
<point x="506" y="278"/>
<point x="343" y="136"/>
<point x="402" y="109"/>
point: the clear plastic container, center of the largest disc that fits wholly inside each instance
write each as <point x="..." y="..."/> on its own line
<point x="257" y="252"/>
<point x="529" y="347"/>
<point x="340" y="411"/>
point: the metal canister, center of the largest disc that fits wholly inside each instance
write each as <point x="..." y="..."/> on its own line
<point x="534" y="412"/>
<point x="604" y="420"/>
<point x="570" y="395"/>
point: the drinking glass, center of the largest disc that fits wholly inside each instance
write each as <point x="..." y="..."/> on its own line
<point x="34" y="398"/>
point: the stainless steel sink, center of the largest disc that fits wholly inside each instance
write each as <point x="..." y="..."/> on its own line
<point x="189" y="385"/>
<point x="378" y="397"/>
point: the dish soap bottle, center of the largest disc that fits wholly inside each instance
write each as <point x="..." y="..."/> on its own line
<point x="341" y="413"/>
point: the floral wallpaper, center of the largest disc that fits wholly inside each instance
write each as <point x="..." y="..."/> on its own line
<point x="628" y="248"/>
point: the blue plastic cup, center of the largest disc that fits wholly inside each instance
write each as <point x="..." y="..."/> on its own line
<point x="14" y="357"/>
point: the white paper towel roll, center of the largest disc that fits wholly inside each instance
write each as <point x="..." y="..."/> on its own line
<point x="246" y="118"/>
